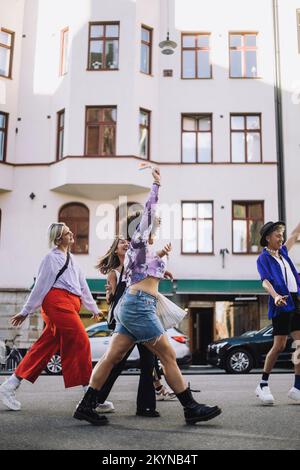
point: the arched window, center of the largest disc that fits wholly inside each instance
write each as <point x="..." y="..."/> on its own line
<point x="122" y="213"/>
<point x="76" y="216"/>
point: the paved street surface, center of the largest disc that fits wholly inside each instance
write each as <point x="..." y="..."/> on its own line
<point x="46" y="422"/>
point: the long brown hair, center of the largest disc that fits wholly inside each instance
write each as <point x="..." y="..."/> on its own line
<point x="110" y="260"/>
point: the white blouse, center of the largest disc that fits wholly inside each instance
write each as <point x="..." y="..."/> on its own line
<point x="288" y="273"/>
<point x="72" y="280"/>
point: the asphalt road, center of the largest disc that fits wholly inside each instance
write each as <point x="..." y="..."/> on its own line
<point x="45" y="421"/>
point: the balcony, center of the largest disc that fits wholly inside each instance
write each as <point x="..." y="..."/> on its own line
<point x="99" y="178"/>
<point x="6" y="178"/>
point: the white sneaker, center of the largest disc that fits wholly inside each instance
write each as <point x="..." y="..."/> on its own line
<point x="164" y="395"/>
<point x="294" y="394"/>
<point x="265" y="395"/>
<point x="8" y="396"/>
<point x="106" y="407"/>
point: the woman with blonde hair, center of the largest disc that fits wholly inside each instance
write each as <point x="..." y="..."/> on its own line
<point x="60" y="289"/>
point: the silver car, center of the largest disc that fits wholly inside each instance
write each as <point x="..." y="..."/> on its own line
<point x="100" y="337"/>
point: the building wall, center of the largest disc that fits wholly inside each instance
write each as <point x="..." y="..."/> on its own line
<point x="42" y="93"/>
<point x="37" y="93"/>
<point x="290" y="75"/>
<point x="12" y="15"/>
<point x="11" y="301"/>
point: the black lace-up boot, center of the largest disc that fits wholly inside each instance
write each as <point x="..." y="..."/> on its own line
<point x="86" y="409"/>
<point x="193" y="411"/>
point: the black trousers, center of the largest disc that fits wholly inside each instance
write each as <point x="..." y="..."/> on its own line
<point x="146" y="392"/>
<point x="157" y="369"/>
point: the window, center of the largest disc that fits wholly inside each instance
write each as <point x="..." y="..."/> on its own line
<point x="248" y="218"/>
<point x="101" y="334"/>
<point x="146" y="50"/>
<point x="196" y="138"/>
<point x="76" y="216"/>
<point x="246" y="145"/>
<point x="197" y="227"/>
<point x="298" y="29"/>
<point x="195" y="56"/>
<point x="3" y="135"/>
<point x="101" y="131"/>
<point x="99" y="331"/>
<point x="64" y="51"/>
<point x="144" y="144"/>
<point x="131" y="210"/>
<point x="243" y="55"/>
<point x="60" y="134"/>
<point x="6" y="52"/>
<point x="103" y="46"/>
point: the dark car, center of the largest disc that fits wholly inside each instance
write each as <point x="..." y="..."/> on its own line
<point x="240" y="354"/>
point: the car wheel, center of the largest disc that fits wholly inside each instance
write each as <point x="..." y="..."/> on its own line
<point x="54" y="366"/>
<point x="239" y="361"/>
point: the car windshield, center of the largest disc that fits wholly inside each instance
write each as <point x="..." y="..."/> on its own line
<point x="99" y="330"/>
<point x="249" y="333"/>
<point x="263" y="330"/>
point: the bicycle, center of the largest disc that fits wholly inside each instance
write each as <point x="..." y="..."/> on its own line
<point x="10" y="356"/>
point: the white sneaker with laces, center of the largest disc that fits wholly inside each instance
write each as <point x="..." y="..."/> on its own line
<point x="106" y="407"/>
<point x="294" y="394"/>
<point x="164" y="395"/>
<point x="265" y="395"/>
<point x="8" y="396"/>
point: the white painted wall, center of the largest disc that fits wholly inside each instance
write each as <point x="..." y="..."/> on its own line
<point x="24" y="229"/>
<point x="41" y="92"/>
<point x="290" y="72"/>
<point x="11" y="17"/>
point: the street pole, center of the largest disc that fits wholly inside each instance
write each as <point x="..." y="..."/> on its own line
<point x="278" y="117"/>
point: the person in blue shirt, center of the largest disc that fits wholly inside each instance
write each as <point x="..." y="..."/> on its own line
<point x="282" y="282"/>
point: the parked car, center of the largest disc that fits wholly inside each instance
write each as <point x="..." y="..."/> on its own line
<point x="238" y="355"/>
<point x="100" y="337"/>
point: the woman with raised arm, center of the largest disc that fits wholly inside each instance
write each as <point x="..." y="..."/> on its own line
<point x="137" y="321"/>
<point x="282" y="282"/>
<point x="112" y="265"/>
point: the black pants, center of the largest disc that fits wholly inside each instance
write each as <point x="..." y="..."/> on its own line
<point x="157" y="369"/>
<point x="285" y="323"/>
<point x="146" y="392"/>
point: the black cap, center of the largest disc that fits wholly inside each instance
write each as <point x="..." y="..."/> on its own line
<point x="267" y="229"/>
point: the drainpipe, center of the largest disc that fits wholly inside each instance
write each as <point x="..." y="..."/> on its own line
<point x="278" y="117"/>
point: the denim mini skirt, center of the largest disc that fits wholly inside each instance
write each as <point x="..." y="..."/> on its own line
<point x="136" y="317"/>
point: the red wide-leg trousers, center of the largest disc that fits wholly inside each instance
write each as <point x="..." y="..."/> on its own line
<point x="63" y="333"/>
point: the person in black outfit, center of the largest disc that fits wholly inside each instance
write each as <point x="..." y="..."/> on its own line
<point x="112" y="264"/>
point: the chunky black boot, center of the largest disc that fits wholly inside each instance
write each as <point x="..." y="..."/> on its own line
<point x="193" y="411"/>
<point x="86" y="409"/>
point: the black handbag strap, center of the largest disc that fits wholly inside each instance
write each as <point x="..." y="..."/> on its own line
<point x="115" y="299"/>
<point x="63" y="268"/>
<point x="118" y="285"/>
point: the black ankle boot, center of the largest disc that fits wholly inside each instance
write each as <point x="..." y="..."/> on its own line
<point x="193" y="411"/>
<point x="86" y="409"/>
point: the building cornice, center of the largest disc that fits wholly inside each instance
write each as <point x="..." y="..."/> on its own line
<point x="155" y="162"/>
